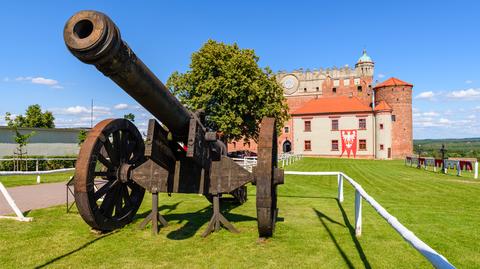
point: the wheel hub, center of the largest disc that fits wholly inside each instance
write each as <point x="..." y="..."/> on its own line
<point x="123" y="172"/>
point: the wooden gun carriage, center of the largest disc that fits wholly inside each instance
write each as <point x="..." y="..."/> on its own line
<point x="179" y="154"/>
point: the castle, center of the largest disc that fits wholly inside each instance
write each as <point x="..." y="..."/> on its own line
<point x="338" y="112"/>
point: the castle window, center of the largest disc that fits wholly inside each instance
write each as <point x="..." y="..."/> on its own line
<point x="359" y="88"/>
<point x="334" y="90"/>
<point x="346" y="82"/>
<point x="334" y="145"/>
<point x="307" y="126"/>
<point x="334" y="125"/>
<point x="318" y="89"/>
<point x="394" y="118"/>
<point x="286" y="129"/>
<point x="304" y="89"/>
<point x="381" y="146"/>
<point x="362" y="124"/>
<point x="362" y="144"/>
<point x="234" y="145"/>
<point x="336" y="83"/>
<point x="308" y="145"/>
<point x="356" y="81"/>
<point x="381" y="126"/>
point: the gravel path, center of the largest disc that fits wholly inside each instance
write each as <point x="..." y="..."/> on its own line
<point x="35" y="197"/>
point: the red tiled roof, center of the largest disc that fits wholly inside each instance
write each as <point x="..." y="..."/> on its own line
<point x="326" y="105"/>
<point x="383" y="106"/>
<point x="393" y="82"/>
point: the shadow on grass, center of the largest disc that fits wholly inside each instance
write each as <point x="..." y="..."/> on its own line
<point x="322" y="217"/>
<point x="351" y="229"/>
<point x="74" y="251"/>
<point x="195" y="220"/>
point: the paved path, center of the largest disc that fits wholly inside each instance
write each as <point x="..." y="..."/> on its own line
<point x="35" y="197"/>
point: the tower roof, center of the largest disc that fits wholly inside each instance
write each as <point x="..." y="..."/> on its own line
<point x="382" y="106"/>
<point x="327" y="105"/>
<point x="393" y="82"/>
<point x="365" y="58"/>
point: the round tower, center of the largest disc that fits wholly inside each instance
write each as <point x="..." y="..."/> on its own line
<point x="365" y="65"/>
<point x="398" y="95"/>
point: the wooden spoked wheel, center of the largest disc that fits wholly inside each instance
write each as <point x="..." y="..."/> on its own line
<point x="105" y="195"/>
<point x="264" y="178"/>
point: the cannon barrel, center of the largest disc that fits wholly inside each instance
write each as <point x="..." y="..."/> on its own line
<point x="93" y="38"/>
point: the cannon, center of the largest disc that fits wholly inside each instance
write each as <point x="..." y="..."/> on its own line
<point x="179" y="154"/>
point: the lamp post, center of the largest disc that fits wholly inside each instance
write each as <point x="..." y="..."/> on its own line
<point x="443" y="150"/>
<point x="419" y="153"/>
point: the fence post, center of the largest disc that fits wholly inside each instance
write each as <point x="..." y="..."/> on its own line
<point x="358" y="214"/>
<point x="475" y="175"/>
<point x="340" y="187"/>
<point x="459" y="173"/>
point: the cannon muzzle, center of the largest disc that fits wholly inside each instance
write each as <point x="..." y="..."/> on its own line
<point x="93" y="38"/>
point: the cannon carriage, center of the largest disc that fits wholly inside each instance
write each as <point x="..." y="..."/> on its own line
<point x="179" y="154"/>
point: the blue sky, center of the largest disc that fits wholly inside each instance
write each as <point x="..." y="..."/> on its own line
<point x="432" y="44"/>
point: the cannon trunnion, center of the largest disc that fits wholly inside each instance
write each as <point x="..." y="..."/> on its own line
<point x="115" y="165"/>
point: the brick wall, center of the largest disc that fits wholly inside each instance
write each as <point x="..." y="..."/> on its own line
<point x="400" y="99"/>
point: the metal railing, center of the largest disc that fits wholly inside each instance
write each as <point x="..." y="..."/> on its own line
<point x="437" y="260"/>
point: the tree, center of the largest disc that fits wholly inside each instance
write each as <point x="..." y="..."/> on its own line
<point x="226" y="82"/>
<point x="129" y="116"/>
<point x="34" y="118"/>
<point x="82" y="135"/>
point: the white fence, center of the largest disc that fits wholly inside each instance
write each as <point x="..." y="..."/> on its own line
<point x="288" y="158"/>
<point x="437" y="164"/>
<point x="437" y="260"/>
<point x="11" y="203"/>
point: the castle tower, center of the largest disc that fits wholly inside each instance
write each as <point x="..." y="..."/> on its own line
<point x="364" y="66"/>
<point x="398" y="95"/>
<point x="364" y="69"/>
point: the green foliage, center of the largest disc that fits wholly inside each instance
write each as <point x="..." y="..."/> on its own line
<point x="226" y="82"/>
<point x="82" y="135"/>
<point x="130" y="117"/>
<point x="313" y="229"/>
<point x="34" y="118"/>
<point x="42" y="164"/>
<point x="465" y="147"/>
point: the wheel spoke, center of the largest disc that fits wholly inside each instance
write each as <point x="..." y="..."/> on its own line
<point x="106" y="162"/>
<point x="104" y="174"/>
<point x="111" y="152"/>
<point x="119" y="201"/>
<point x="109" y="203"/>
<point x="126" y="196"/>
<point x="105" y="189"/>
<point x="117" y="142"/>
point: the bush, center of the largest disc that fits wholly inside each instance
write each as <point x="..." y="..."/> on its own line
<point x="43" y="165"/>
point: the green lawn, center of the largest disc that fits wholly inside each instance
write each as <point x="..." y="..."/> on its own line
<point x="314" y="231"/>
<point x="20" y="180"/>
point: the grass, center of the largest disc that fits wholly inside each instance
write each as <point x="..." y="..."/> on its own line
<point x="314" y="231"/>
<point x="20" y="180"/>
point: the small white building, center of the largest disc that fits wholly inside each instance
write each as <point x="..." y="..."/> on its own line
<point x="45" y="141"/>
<point x="343" y="126"/>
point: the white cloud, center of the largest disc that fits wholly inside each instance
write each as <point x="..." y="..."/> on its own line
<point x="6" y="79"/>
<point x="471" y="117"/>
<point x="425" y="95"/>
<point x="444" y="121"/>
<point x="465" y="94"/>
<point x="468" y="81"/>
<point x="430" y="113"/>
<point x="121" y="106"/>
<point x="41" y="81"/>
<point x="82" y="110"/>
<point x="380" y="75"/>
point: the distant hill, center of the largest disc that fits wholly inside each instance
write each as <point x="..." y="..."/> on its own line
<point x="461" y="147"/>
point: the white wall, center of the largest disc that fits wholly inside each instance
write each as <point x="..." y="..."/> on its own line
<point x="321" y="135"/>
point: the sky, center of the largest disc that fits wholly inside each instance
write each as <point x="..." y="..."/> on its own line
<point x="431" y="44"/>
